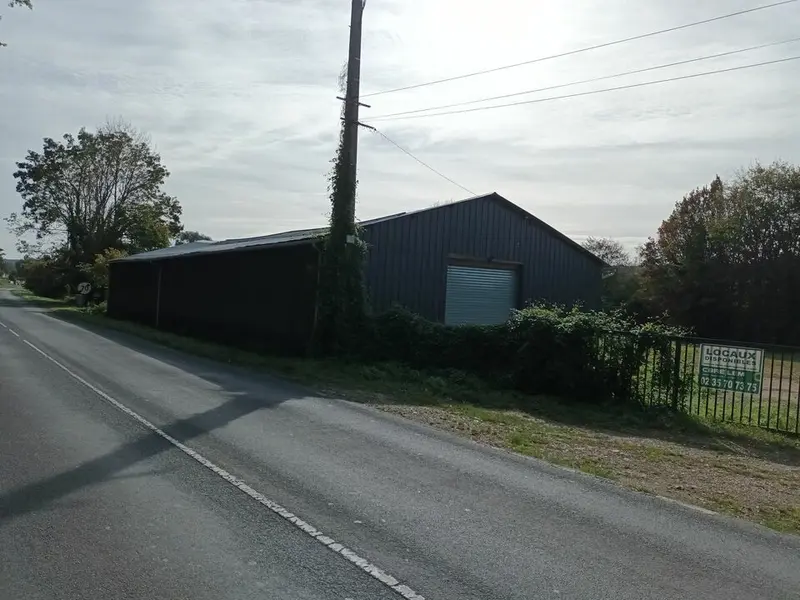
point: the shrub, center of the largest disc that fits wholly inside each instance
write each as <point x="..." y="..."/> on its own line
<point x="96" y="309"/>
<point x="588" y="356"/>
<point x="46" y="277"/>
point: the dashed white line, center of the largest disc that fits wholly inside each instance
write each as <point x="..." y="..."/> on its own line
<point x="366" y="566"/>
<point x="3" y="325"/>
<point x="13" y="332"/>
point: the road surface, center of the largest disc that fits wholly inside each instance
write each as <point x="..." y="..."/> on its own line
<point x="131" y="471"/>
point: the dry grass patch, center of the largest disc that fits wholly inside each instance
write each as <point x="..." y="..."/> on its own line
<point x="738" y="479"/>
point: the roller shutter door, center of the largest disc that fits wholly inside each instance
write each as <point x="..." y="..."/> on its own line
<point x="479" y="296"/>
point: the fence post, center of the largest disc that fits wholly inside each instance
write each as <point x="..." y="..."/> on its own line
<point x="676" y="375"/>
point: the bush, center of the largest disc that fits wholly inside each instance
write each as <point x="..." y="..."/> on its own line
<point x="95" y="309"/>
<point x="46" y="277"/>
<point x="588" y="356"/>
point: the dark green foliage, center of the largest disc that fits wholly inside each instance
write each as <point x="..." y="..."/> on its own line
<point x="48" y="277"/>
<point x="95" y="191"/>
<point x="587" y="356"/>
<point x="96" y="309"/>
<point x="727" y="259"/>
<point x="341" y="305"/>
<point x="188" y="237"/>
<point x="608" y="250"/>
<point x="622" y="281"/>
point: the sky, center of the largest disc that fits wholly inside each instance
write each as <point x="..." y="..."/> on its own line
<point x="239" y="98"/>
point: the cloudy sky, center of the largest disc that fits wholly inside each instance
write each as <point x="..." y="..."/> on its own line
<point x="239" y="99"/>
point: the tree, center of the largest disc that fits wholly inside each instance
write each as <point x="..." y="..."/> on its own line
<point x="96" y="191"/>
<point x="3" y="266"/>
<point x="97" y="271"/>
<point x="621" y="279"/>
<point x="188" y="237"/>
<point x="725" y="262"/>
<point x="610" y="251"/>
<point x="45" y="276"/>
<point x="26" y="3"/>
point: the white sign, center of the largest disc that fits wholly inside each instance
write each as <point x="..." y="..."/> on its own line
<point x="729" y="357"/>
<point x="84" y="288"/>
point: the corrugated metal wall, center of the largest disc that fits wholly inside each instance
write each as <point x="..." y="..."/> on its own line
<point x="408" y="256"/>
<point x="261" y="299"/>
<point x="132" y="291"/>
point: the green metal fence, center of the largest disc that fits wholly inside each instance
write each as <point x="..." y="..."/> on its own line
<point x="673" y="373"/>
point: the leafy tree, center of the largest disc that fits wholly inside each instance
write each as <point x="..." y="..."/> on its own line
<point x="726" y="260"/>
<point x="46" y="276"/>
<point x="96" y="191"/>
<point x="188" y="237"/>
<point x="610" y="251"/>
<point x="97" y="271"/>
<point x="621" y="282"/>
<point x="26" y="3"/>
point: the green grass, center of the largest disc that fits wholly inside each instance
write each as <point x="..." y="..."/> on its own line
<point x="29" y="296"/>
<point x="783" y="519"/>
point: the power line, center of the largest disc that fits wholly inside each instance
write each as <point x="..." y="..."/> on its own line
<point x="583" y="81"/>
<point x="423" y="163"/>
<point x="602" y="91"/>
<point x="581" y="50"/>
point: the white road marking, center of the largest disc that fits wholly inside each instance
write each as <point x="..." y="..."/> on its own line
<point x="14" y="332"/>
<point x="3" y="325"/>
<point x="705" y="511"/>
<point x="366" y="566"/>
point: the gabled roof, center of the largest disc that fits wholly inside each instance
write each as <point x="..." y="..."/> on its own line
<point x="494" y="196"/>
<point x="304" y="236"/>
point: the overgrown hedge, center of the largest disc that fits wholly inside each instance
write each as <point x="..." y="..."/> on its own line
<point x="588" y="356"/>
<point x="46" y="277"/>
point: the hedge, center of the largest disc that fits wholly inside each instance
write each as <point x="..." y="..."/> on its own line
<point x="587" y="356"/>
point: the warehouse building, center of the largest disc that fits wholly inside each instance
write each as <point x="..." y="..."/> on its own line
<point x="467" y="262"/>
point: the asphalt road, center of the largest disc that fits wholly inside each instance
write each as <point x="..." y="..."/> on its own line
<point x="95" y="503"/>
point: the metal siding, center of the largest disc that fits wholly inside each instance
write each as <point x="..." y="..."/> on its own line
<point x="485" y="232"/>
<point x="377" y="282"/>
<point x="428" y="260"/>
<point x="479" y="296"/>
<point x="132" y="292"/>
<point x="412" y="269"/>
<point x="261" y="299"/>
<point x="395" y="255"/>
<point x="438" y="283"/>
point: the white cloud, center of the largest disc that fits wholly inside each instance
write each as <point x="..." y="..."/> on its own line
<point x="239" y="97"/>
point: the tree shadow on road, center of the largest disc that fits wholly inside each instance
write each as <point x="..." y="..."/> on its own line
<point x="246" y="393"/>
<point x="42" y="494"/>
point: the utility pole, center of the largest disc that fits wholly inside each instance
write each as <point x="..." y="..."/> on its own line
<point x="351" y="106"/>
<point x="340" y="295"/>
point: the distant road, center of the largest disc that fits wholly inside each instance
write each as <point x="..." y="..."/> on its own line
<point x="115" y="464"/>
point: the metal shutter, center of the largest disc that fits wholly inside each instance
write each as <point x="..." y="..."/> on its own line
<point x="479" y="296"/>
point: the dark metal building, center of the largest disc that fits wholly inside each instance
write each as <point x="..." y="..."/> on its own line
<point x="465" y="262"/>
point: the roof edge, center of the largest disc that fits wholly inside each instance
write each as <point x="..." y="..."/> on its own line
<point x="549" y="228"/>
